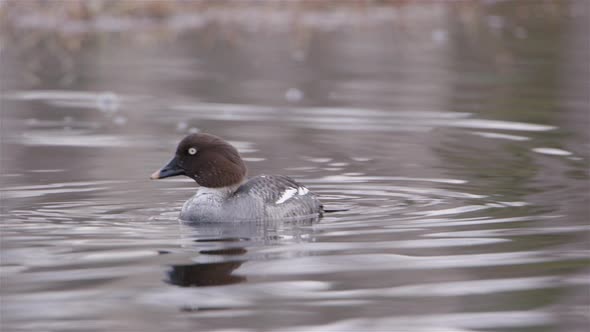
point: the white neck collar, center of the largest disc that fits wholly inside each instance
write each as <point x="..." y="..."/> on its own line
<point x="221" y="192"/>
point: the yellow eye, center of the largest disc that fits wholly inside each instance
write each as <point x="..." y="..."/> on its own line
<point x="192" y="151"/>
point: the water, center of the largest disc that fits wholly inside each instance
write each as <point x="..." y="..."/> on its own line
<point x="454" y="137"/>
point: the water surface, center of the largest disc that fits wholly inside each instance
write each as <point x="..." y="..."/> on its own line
<point x="454" y="137"/>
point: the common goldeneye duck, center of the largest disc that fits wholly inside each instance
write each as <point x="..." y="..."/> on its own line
<point x="225" y="194"/>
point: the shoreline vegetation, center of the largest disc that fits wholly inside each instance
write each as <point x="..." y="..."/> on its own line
<point x="63" y="28"/>
<point x="84" y="16"/>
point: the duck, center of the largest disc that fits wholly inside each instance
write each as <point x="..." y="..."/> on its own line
<point x="225" y="194"/>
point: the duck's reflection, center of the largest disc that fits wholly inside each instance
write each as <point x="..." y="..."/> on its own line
<point x="204" y="274"/>
<point x="223" y="248"/>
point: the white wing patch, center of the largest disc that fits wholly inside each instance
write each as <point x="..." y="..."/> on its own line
<point x="290" y="192"/>
<point x="302" y="191"/>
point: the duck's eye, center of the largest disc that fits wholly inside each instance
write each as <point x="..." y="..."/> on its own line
<point x="192" y="151"/>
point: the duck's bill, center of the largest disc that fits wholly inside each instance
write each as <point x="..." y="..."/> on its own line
<point x="171" y="169"/>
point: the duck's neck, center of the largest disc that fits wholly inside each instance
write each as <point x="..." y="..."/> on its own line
<point x="219" y="193"/>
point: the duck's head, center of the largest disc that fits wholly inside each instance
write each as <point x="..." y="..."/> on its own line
<point x="207" y="159"/>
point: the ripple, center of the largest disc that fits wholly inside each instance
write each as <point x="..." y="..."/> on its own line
<point x="360" y="178"/>
<point x="55" y="188"/>
<point x="346" y="246"/>
<point x="474" y="287"/>
<point x="432" y="323"/>
<point x="103" y="100"/>
<point x="78" y="138"/>
<point x="376" y="262"/>
<point x="54" y="95"/>
<point x="329" y="118"/>
<point x="501" y="136"/>
<point x="513" y="232"/>
<point x="552" y="151"/>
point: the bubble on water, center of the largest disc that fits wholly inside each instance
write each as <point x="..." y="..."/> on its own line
<point x="298" y="55"/>
<point x="520" y="33"/>
<point x="32" y="122"/>
<point x="552" y="151"/>
<point x="495" y="22"/>
<point x="194" y="130"/>
<point x="120" y="120"/>
<point x="68" y="119"/>
<point x="181" y="126"/>
<point x="293" y="95"/>
<point x="440" y="36"/>
<point x="108" y="102"/>
<point x="67" y="128"/>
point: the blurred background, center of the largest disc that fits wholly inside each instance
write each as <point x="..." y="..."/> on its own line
<point x="454" y="134"/>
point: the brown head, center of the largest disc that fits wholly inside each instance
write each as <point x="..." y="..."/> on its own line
<point x="207" y="159"/>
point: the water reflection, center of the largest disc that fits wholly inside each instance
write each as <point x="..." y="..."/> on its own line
<point x="220" y="249"/>
<point x="204" y="274"/>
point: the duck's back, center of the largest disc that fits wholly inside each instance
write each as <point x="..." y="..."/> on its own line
<point x="263" y="197"/>
<point x="276" y="197"/>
